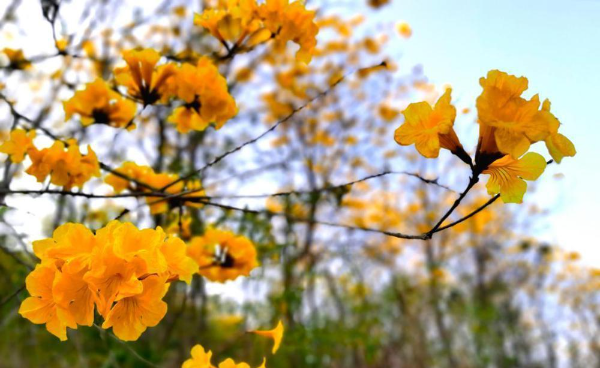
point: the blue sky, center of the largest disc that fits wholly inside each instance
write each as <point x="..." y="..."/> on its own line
<point x="556" y="45"/>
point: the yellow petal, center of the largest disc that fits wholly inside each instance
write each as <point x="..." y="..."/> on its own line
<point x="560" y="146"/>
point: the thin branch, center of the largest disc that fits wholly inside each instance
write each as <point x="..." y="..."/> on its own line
<point x="472" y="181"/>
<point x="266" y="132"/>
<point x="11" y="296"/>
<point x="332" y="188"/>
<point x="304" y="220"/>
<point x="486" y="204"/>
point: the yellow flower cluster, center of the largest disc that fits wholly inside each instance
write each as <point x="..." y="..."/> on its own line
<point x="66" y="166"/>
<point x="206" y="98"/>
<point x="202" y="358"/>
<point x="201" y="88"/>
<point x="18" y="145"/>
<point x="222" y="256"/>
<point x="247" y="23"/>
<point x="144" y="80"/>
<point x="508" y="125"/>
<point x="99" y="104"/>
<point x="121" y="271"/>
<point x="146" y="175"/>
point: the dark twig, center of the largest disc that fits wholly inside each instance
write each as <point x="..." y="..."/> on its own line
<point x="266" y="132"/>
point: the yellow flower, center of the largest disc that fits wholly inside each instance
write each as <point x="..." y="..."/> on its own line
<point x="430" y="128"/>
<point x="207" y="100"/>
<point x="232" y="21"/>
<point x="121" y="270"/>
<point x="291" y="22"/>
<point x="179" y="265"/>
<point x="16" y="59"/>
<point x="19" y="143"/>
<point x="66" y="168"/>
<point x="222" y="256"/>
<point x="507" y="176"/>
<point x="70" y="242"/>
<point x="130" y="316"/>
<point x="230" y="363"/>
<point x="509" y="123"/>
<point x="276" y="334"/>
<point x="200" y="358"/>
<point x="40" y="307"/>
<point x="99" y="104"/>
<point x="72" y="293"/>
<point x="145" y="81"/>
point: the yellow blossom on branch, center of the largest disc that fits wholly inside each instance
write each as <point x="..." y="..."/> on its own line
<point x="99" y="104"/>
<point x="231" y="21"/>
<point x="40" y="307"/>
<point x="246" y="23"/>
<point x="200" y="358"/>
<point x="132" y="315"/>
<point x="222" y="255"/>
<point x="144" y="80"/>
<point x="509" y="124"/>
<point x="206" y="98"/>
<point x="120" y="270"/>
<point x="67" y="168"/>
<point x="19" y="143"/>
<point x="430" y="128"/>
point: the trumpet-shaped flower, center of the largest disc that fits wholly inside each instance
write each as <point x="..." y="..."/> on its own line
<point x="71" y="292"/>
<point x="40" y="307"/>
<point x="122" y="271"/>
<point x="430" y="128"/>
<point x="231" y="21"/>
<point x="230" y="363"/>
<point x="200" y="358"/>
<point x="19" y="143"/>
<point x="66" y="168"/>
<point x="178" y="263"/>
<point x="206" y="98"/>
<point x="73" y="243"/>
<point x="509" y="124"/>
<point x="99" y="104"/>
<point x="291" y="22"/>
<point x="246" y="23"/>
<point x="143" y="79"/>
<point x="507" y="176"/>
<point x="222" y="256"/>
<point x="275" y="334"/>
<point x="132" y="315"/>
